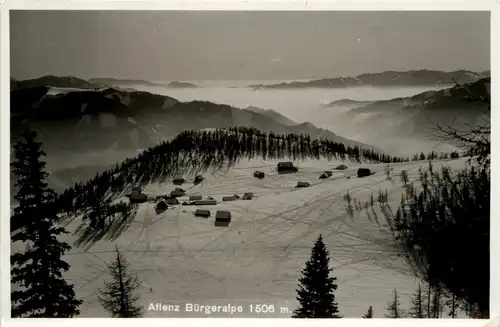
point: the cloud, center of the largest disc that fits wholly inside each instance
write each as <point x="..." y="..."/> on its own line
<point x="275" y="60"/>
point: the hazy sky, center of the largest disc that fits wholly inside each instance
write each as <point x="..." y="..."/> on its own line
<point x="178" y="45"/>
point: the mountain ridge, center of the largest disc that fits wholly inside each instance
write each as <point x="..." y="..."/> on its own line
<point x="97" y="119"/>
<point x="459" y="106"/>
<point x="420" y="77"/>
<point x="111" y="81"/>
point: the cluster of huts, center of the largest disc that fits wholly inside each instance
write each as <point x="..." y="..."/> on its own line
<point x="222" y="218"/>
<point x="288" y="168"/>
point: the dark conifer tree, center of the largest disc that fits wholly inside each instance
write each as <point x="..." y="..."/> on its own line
<point x="436" y="306"/>
<point x="117" y="297"/>
<point x="369" y="314"/>
<point x="453" y="306"/>
<point x="38" y="288"/>
<point x="316" y="289"/>
<point x="417" y="309"/>
<point x="393" y="309"/>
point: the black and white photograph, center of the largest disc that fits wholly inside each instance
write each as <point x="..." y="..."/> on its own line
<point x="250" y="164"/>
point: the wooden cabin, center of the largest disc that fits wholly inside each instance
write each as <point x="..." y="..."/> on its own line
<point x="222" y="218"/>
<point x="205" y="203"/>
<point x="177" y="192"/>
<point x="178" y="181"/>
<point x="198" y="179"/>
<point x="286" y="167"/>
<point x="363" y="172"/>
<point x="259" y="174"/>
<point x="162" y="205"/>
<point x="202" y="213"/>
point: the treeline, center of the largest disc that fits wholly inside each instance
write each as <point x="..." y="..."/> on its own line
<point x="201" y="150"/>
<point x="434" y="155"/>
<point x="424" y="303"/>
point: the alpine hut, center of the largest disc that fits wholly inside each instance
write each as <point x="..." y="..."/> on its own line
<point x="259" y="174"/>
<point x="162" y="205"/>
<point x="205" y="202"/>
<point x="177" y="192"/>
<point x="323" y="176"/>
<point x="172" y="201"/>
<point x="363" y="172"/>
<point x="178" y="181"/>
<point x="202" y="213"/>
<point x="222" y="218"/>
<point x="247" y="196"/>
<point x="198" y="179"/>
<point x="286" y="167"/>
<point x="341" y="167"/>
<point x="137" y="197"/>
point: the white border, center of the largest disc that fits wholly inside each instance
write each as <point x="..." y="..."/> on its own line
<point x="310" y="5"/>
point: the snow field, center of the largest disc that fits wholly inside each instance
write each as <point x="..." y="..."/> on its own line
<point x="258" y="258"/>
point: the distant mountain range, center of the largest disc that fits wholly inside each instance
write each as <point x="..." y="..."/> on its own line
<point x="95" y="119"/>
<point x="109" y="81"/>
<point x="415" y="114"/>
<point x="131" y="82"/>
<point x="75" y="114"/>
<point x="54" y="81"/>
<point x="385" y="79"/>
<point x="93" y="83"/>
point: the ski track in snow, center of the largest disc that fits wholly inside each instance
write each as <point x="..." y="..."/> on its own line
<point x="258" y="258"/>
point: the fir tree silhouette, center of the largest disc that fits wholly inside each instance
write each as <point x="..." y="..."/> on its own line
<point x="369" y="314"/>
<point x="418" y="305"/>
<point x="315" y="292"/>
<point x="393" y="309"/>
<point x="453" y="305"/>
<point x="117" y="297"/>
<point x="436" y="306"/>
<point x="36" y="273"/>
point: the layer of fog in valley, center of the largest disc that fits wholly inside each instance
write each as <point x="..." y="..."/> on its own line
<point x="309" y="105"/>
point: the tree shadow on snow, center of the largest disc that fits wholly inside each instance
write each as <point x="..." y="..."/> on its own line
<point x="109" y="226"/>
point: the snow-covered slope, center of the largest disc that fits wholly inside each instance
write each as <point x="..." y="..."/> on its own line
<point x="258" y="258"/>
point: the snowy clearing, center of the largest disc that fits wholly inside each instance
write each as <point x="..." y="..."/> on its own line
<point x="258" y="258"/>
